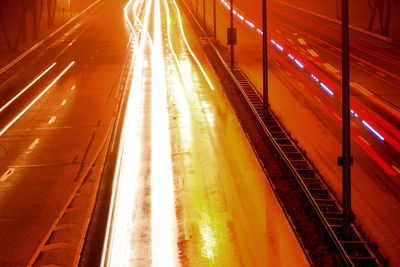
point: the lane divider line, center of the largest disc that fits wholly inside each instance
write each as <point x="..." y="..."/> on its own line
<point x="52" y="119"/>
<point x="36" y="99"/>
<point x="396" y="169"/>
<point x="365" y="141"/>
<point x="34" y="143"/>
<point x="6" y="174"/>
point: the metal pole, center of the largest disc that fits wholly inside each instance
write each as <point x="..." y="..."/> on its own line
<point x="265" y="56"/>
<point x="346" y="159"/>
<point x="204" y="13"/>
<point x="215" y="20"/>
<point x="232" y="45"/>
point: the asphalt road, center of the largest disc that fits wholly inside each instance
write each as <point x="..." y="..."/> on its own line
<point x="305" y="93"/>
<point x="57" y="108"/>
<point x="189" y="190"/>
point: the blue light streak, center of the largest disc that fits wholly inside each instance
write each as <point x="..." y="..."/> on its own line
<point x="372" y="130"/>
<point x="326" y="89"/>
<point x="299" y="64"/>
<point x="279" y="47"/>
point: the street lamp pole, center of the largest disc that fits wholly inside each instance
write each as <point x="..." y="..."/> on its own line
<point x="346" y="159"/>
<point x="215" y="20"/>
<point x="204" y="13"/>
<point x="231" y="35"/>
<point x="265" y="56"/>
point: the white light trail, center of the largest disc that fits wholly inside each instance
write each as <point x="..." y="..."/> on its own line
<point x="298" y="63"/>
<point x="27" y="87"/>
<point x="371" y="129"/>
<point x="164" y="227"/>
<point x="36" y="99"/>
<point x="190" y="50"/>
<point x="118" y="250"/>
<point x="326" y="89"/>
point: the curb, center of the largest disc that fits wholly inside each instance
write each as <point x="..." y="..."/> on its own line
<point x="33" y="48"/>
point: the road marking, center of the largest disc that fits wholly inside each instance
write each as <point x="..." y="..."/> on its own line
<point x="34" y="143"/>
<point x="6" y="174"/>
<point x="63" y="102"/>
<point x="53" y="119"/>
<point x="301" y="41"/>
<point x="313" y="53"/>
<point x="365" y="141"/>
<point x="396" y="169"/>
<point x="337" y="116"/>
<point x="330" y="68"/>
<point x="187" y="230"/>
<point x="317" y="98"/>
<point x="73" y="87"/>
<point x="360" y="88"/>
<point x="178" y="148"/>
<point x="380" y="73"/>
<point x="181" y="182"/>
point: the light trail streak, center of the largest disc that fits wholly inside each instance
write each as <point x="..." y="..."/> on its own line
<point x="118" y="250"/>
<point x="164" y="229"/>
<point x="314" y="78"/>
<point x="392" y="141"/>
<point x="179" y="94"/>
<point x="298" y="63"/>
<point x="36" y="99"/>
<point x="279" y="47"/>
<point x="372" y="130"/>
<point x="250" y="24"/>
<point x="326" y="89"/>
<point x="189" y="49"/>
<point x="27" y="87"/>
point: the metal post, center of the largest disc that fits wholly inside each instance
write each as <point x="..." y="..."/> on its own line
<point x="265" y="56"/>
<point x="346" y="159"/>
<point x="232" y="45"/>
<point x="204" y="13"/>
<point x="215" y="20"/>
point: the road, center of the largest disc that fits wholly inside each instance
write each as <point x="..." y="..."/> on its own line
<point x="57" y="107"/>
<point x="188" y="188"/>
<point x="305" y="93"/>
